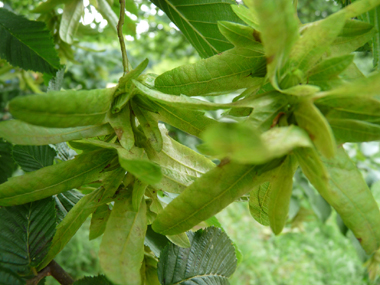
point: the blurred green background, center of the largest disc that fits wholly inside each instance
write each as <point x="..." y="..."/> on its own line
<point x="311" y="250"/>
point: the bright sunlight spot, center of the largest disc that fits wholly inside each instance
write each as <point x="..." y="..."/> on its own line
<point x="1" y="4"/>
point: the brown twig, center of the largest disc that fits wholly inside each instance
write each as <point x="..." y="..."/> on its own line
<point x="121" y="37"/>
<point x="55" y="270"/>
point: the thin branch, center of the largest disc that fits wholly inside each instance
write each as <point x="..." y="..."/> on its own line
<point x="55" y="270"/>
<point x="121" y="37"/>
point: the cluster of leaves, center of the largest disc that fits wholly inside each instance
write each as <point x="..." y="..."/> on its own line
<point x="302" y="97"/>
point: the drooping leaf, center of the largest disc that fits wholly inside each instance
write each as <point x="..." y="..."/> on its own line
<point x="279" y="31"/>
<point x="359" y="7"/>
<point x="201" y="30"/>
<point x="330" y="67"/>
<point x="7" y="164"/>
<point x="99" y="221"/>
<point x="138" y="194"/>
<point x="79" y="213"/>
<point x="210" y="260"/>
<point x="258" y="203"/>
<point x="121" y="123"/>
<point x="180" y="240"/>
<point x="63" y="109"/>
<point x="353" y="35"/>
<point x="65" y="201"/>
<point x="56" y="178"/>
<point x="214" y="191"/>
<point x="70" y="20"/>
<point x="27" y="44"/>
<point x="8" y="277"/>
<point x="149" y="126"/>
<point x="266" y="109"/>
<point x="319" y="205"/>
<point x="179" y="164"/>
<point x="143" y="169"/>
<point x="91" y="280"/>
<point x="311" y="119"/>
<point x="31" y="158"/>
<point x="26" y="233"/>
<point x="189" y="121"/>
<point x="233" y="69"/>
<point x="347" y="130"/>
<point x="366" y="86"/>
<point x="280" y="194"/>
<point x="240" y="35"/>
<point x="105" y="9"/>
<point x="22" y="133"/>
<point x="314" y="42"/>
<point x="122" y="249"/>
<point x="242" y="144"/>
<point x="349" y="195"/>
<point x="247" y="15"/>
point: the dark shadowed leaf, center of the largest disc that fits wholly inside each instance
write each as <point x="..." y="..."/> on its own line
<point x="65" y="201"/>
<point x="211" y="259"/>
<point x="7" y="165"/>
<point x="27" y="44"/>
<point x="8" y="277"/>
<point x="97" y="280"/>
<point x="198" y="22"/>
<point x="26" y="232"/>
<point x="31" y="158"/>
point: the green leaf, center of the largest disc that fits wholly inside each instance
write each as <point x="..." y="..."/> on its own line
<point x="179" y="164"/>
<point x="347" y="130"/>
<point x="279" y="31"/>
<point x="240" y="35"/>
<point x="330" y="67"/>
<point x="242" y="144"/>
<point x="105" y="9"/>
<point x="349" y="195"/>
<point x="366" y="86"/>
<point x="258" y="203"/>
<point x="315" y="41"/>
<point x="138" y="194"/>
<point x="57" y="178"/>
<point x="79" y="213"/>
<point x="26" y="233"/>
<point x="144" y="170"/>
<point x="8" y="277"/>
<point x="374" y="18"/>
<point x="156" y="242"/>
<point x="62" y="109"/>
<point x="149" y="126"/>
<point x="213" y="191"/>
<point x="22" y="133"/>
<point x="121" y="123"/>
<point x="247" y="15"/>
<point x="31" y="158"/>
<point x="353" y="35"/>
<point x="180" y="240"/>
<point x="47" y="6"/>
<point x="99" y="221"/>
<point x="359" y="7"/>
<point x="210" y="260"/>
<point x="280" y="194"/>
<point x="91" y="280"/>
<point x="201" y="31"/>
<point x="266" y="108"/>
<point x="233" y="69"/>
<point x="70" y="20"/>
<point x="189" y="121"/>
<point x="121" y="260"/>
<point x="7" y="164"/>
<point x="65" y="201"/>
<point x="319" y="205"/>
<point x="27" y="44"/>
<point x="311" y="119"/>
